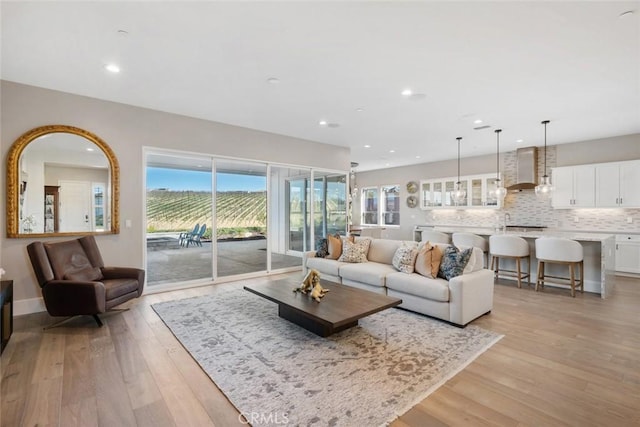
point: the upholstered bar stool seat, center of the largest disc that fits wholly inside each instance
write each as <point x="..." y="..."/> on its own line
<point x="560" y="251"/>
<point x="473" y="240"/>
<point x="511" y="247"/>
<point x="435" y="237"/>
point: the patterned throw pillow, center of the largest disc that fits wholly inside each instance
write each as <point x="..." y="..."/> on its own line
<point x="428" y="260"/>
<point x="355" y="251"/>
<point x="404" y="259"/>
<point x="453" y="262"/>
<point x="322" y="248"/>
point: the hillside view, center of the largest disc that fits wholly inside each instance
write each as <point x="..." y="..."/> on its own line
<point x="181" y="210"/>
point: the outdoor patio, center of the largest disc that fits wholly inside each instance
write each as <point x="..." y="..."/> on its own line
<point x="169" y="262"/>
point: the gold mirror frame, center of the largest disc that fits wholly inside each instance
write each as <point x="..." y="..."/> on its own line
<point x="13" y="160"/>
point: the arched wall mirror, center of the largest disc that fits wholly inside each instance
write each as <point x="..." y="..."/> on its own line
<point x="61" y="180"/>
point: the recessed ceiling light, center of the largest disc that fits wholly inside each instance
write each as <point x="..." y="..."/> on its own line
<point x="90" y="149"/>
<point x="367" y="146"/>
<point x="417" y="157"/>
<point x="273" y="80"/>
<point x="626" y="13"/>
<point x="478" y="121"/>
<point x="407" y="92"/>
<point x="113" y="68"/>
<point x="322" y="123"/>
<point x="123" y="33"/>
<point x="519" y="140"/>
<point x="360" y="109"/>
<point x="386" y="164"/>
<point x="392" y="151"/>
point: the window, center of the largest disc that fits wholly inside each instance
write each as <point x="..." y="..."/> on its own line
<point x="391" y="205"/>
<point x="370" y="214"/>
<point x="387" y="212"/>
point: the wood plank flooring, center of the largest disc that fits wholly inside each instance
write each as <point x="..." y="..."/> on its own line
<point x="563" y="362"/>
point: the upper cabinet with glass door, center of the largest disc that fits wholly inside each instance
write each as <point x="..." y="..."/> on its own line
<point x="437" y="193"/>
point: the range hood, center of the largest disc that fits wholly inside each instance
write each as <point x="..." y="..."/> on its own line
<point x="526" y="169"/>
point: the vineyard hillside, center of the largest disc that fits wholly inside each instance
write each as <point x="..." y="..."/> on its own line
<point x="181" y="210"/>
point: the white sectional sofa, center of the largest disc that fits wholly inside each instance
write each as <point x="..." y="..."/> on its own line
<point x="458" y="301"/>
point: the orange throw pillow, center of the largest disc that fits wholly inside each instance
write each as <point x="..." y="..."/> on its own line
<point x="428" y="260"/>
<point x="335" y="246"/>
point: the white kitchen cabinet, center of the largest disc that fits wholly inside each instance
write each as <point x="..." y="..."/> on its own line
<point x="574" y="187"/>
<point x="437" y="193"/>
<point x="618" y="185"/>
<point x="628" y="253"/>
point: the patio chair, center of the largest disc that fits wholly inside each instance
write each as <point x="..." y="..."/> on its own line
<point x="184" y="237"/>
<point x="196" y="238"/>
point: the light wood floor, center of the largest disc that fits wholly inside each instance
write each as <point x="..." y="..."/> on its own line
<point x="563" y="361"/>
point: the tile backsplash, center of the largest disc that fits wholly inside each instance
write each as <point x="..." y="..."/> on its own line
<point x="524" y="208"/>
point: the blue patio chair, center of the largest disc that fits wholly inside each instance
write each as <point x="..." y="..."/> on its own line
<point x="183" y="238"/>
<point x="196" y="238"/>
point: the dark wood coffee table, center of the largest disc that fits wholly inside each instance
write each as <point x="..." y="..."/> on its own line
<point x="340" y="308"/>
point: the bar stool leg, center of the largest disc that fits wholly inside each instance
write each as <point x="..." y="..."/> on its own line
<point x="540" y="276"/>
<point x="529" y="271"/>
<point x="572" y="275"/>
<point x="582" y="277"/>
<point x="519" y="272"/>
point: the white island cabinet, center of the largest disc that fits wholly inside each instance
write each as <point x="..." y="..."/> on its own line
<point x="599" y="254"/>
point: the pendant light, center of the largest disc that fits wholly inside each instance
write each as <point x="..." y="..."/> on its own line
<point x="544" y="189"/>
<point x="500" y="191"/>
<point x="459" y="196"/>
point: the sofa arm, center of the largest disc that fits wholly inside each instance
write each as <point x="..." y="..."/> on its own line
<point x="305" y="256"/>
<point x="471" y="296"/>
<point x="70" y="298"/>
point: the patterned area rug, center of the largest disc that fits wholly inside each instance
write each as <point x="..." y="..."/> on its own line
<point x="275" y="372"/>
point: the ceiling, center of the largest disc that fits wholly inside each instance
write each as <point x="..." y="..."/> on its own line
<point x="509" y="64"/>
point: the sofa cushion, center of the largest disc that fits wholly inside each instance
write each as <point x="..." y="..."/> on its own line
<point x="354" y="251"/>
<point x="371" y="273"/>
<point x="453" y="262"/>
<point x="476" y="261"/>
<point x="415" y="284"/>
<point x="404" y="259"/>
<point x="324" y="265"/>
<point x="428" y="260"/>
<point x="383" y="250"/>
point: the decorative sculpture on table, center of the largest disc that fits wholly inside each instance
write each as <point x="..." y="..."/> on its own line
<point x="311" y="283"/>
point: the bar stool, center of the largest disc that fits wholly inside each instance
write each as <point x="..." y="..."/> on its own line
<point x="560" y="251"/>
<point x="513" y="247"/>
<point x="435" y="237"/>
<point x="473" y="240"/>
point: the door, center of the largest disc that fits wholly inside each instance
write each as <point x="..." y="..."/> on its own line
<point x="75" y="206"/>
<point x="607" y="186"/>
<point x="630" y="184"/>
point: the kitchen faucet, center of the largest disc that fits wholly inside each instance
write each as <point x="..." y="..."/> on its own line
<point x="507" y="217"/>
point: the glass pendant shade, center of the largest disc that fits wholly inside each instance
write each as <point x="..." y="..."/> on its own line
<point x="500" y="192"/>
<point x="459" y="195"/>
<point x="544" y="189"/>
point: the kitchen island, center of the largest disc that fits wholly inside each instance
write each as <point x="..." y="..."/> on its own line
<point x="599" y="253"/>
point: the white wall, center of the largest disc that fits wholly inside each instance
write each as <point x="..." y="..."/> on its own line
<point x="127" y="129"/>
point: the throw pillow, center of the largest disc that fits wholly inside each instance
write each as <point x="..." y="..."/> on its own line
<point x="322" y="248"/>
<point x="404" y="259"/>
<point x="355" y="251"/>
<point x="428" y="260"/>
<point x="335" y="246"/>
<point x="86" y="274"/>
<point x="453" y="262"/>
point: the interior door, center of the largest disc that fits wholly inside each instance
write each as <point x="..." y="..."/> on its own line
<point x="75" y="206"/>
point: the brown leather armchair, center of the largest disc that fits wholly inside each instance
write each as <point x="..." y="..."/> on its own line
<point x="74" y="280"/>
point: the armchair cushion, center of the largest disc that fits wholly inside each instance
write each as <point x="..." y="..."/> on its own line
<point x="85" y="274"/>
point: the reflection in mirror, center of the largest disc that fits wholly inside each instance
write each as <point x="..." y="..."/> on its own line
<point x="61" y="180"/>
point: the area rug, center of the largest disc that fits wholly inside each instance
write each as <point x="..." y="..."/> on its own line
<point x="275" y="372"/>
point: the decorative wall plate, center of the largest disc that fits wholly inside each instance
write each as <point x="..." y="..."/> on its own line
<point x="412" y="201"/>
<point x="412" y="187"/>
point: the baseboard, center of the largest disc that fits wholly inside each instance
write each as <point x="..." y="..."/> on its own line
<point x="28" y="306"/>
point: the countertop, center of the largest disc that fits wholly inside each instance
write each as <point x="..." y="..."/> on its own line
<point x="486" y="231"/>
